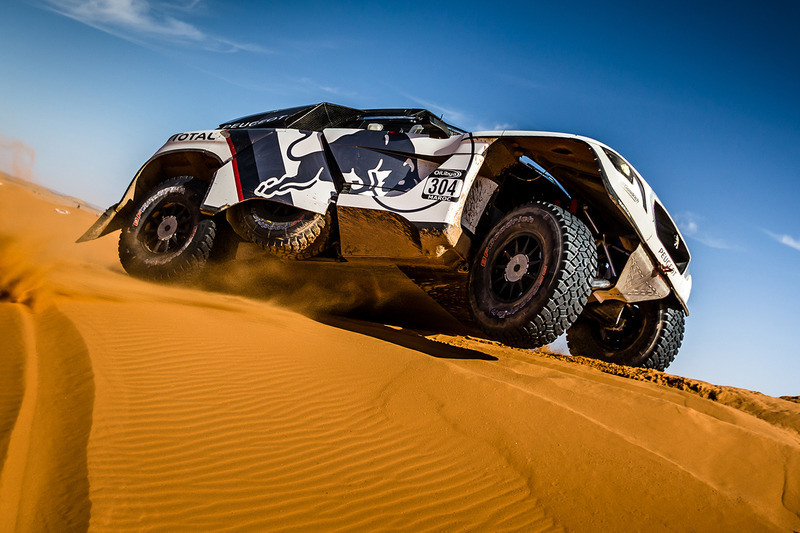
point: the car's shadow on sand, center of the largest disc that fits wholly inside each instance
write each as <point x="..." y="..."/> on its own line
<point x="379" y="302"/>
<point x="406" y="338"/>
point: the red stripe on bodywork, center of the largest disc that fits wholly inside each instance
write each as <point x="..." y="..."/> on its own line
<point x="235" y="169"/>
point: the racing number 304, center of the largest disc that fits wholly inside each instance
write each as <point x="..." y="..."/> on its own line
<point x="441" y="188"/>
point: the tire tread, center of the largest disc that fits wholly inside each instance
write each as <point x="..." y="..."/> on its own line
<point x="184" y="267"/>
<point x="577" y="267"/>
<point x="311" y="239"/>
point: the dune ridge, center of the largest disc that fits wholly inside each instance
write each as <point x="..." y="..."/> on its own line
<point x="130" y="406"/>
<point x="773" y="410"/>
<point x="44" y="483"/>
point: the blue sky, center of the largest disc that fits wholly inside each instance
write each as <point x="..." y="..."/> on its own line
<point x="700" y="96"/>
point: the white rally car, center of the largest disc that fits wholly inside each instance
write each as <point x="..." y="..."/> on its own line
<point x="526" y="235"/>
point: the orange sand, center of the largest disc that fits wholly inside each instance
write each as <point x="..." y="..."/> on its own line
<point x="130" y="406"/>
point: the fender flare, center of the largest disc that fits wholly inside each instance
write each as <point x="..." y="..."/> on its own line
<point x="200" y="163"/>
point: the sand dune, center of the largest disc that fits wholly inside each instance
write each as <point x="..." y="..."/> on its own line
<point x="328" y="403"/>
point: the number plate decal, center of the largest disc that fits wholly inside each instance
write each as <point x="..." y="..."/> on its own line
<point x="443" y="185"/>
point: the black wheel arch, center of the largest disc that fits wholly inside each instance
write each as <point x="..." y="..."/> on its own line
<point x="573" y="174"/>
<point x="199" y="164"/>
<point x="513" y="192"/>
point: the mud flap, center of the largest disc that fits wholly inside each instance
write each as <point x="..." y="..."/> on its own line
<point x="101" y="226"/>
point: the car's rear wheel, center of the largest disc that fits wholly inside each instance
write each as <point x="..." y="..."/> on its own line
<point x="644" y="334"/>
<point x="531" y="276"/>
<point x="168" y="238"/>
<point x="283" y="230"/>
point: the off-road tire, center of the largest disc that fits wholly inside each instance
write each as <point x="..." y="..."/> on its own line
<point x="531" y="276"/>
<point x="649" y="336"/>
<point x="282" y="230"/>
<point x="168" y="238"/>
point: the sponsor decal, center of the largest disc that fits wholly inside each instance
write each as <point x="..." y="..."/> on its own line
<point x="443" y="185"/>
<point x="630" y="193"/>
<point x="444" y="173"/>
<point x="377" y="177"/>
<point x="272" y="187"/>
<point x="300" y="165"/>
<point x="152" y="199"/>
<point x="254" y="123"/>
<point x="666" y="261"/>
<point x="539" y="281"/>
<point x="193" y="136"/>
<point x="375" y="181"/>
<point x="440" y="197"/>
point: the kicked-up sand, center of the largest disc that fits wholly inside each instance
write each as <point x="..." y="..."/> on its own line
<point x="295" y="398"/>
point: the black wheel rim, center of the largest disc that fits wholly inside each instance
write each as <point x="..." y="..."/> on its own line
<point x="624" y="335"/>
<point x="167" y="228"/>
<point x="516" y="268"/>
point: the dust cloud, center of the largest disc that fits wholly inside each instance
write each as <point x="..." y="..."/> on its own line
<point x="319" y="289"/>
<point x="16" y="158"/>
<point x="21" y="281"/>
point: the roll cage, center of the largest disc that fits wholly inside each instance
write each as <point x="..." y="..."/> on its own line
<point x="317" y="117"/>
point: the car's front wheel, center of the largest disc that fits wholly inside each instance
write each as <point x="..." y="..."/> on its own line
<point x="645" y="334"/>
<point x="532" y="275"/>
<point x="168" y="238"/>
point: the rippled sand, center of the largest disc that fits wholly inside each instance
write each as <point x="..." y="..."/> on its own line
<point x="339" y="401"/>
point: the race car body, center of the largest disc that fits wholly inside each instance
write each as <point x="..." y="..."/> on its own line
<point x="536" y="233"/>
